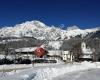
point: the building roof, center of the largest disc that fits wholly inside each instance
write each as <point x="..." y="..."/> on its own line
<point x="57" y="52"/>
<point x="26" y="49"/>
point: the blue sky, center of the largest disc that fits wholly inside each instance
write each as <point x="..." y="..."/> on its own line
<point x="83" y="13"/>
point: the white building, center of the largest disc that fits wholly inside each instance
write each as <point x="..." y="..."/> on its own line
<point x="65" y="55"/>
<point x="87" y="52"/>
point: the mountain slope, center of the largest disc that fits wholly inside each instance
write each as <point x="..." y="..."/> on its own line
<point x="41" y="31"/>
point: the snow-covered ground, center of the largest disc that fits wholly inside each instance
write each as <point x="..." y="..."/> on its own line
<point x="51" y="72"/>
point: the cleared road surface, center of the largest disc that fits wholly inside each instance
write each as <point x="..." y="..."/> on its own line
<point x="92" y="74"/>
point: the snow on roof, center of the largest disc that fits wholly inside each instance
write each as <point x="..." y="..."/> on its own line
<point x="57" y="52"/>
<point x="65" y="52"/>
<point x="26" y="49"/>
<point x="87" y="56"/>
<point x="54" y="52"/>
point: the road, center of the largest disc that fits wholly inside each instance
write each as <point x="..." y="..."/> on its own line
<point x="92" y="74"/>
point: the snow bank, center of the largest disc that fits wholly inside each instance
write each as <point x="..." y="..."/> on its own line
<point x="14" y="67"/>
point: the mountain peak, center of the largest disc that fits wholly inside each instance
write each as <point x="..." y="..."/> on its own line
<point x="74" y="27"/>
<point x="37" y="23"/>
<point x="34" y="23"/>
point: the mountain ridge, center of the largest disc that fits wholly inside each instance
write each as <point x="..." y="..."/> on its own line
<point x="41" y="31"/>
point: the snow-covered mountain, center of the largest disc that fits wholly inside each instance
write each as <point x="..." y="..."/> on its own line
<point x="41" y="31"/>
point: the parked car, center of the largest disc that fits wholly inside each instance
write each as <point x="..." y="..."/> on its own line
<point x="22" y="61"/>
<point x="6" y="61"/>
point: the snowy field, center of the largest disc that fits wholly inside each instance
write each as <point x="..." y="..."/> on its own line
<point x="70" y="71"/>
